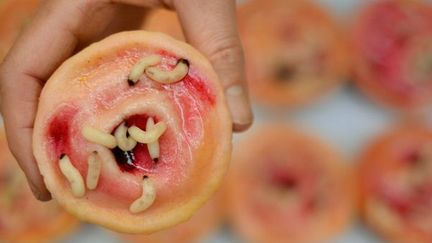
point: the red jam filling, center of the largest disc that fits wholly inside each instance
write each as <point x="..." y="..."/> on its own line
<point x="297" y="182"/>
<point x="59" y="131"/>
<point x="199" y="87"/>
<point x="418" y="196"/>
<point x="388" y="27"/>
<point x="284" y="180"/>
<point x="388" y="30"/>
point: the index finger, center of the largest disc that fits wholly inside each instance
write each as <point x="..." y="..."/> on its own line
<point x="211" y="27"/>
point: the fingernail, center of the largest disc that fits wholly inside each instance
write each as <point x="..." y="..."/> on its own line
<point x="239" y="106"/>
<point x="235" y="90"/>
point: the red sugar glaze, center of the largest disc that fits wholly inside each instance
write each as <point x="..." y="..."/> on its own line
<point x="298" y="181"/>
<point x="411" y="157"/>
<point x="59" y="131"/>
<point x="402" y="201"/>
<point x="137" y="160"/>
<point x="139" y="121"/>
<point x="388" y="29"/>
<point x="390" y="25"/>
<point x="200" y="88"/>
<point x="164" y="53"/>
<point x="284" y="180"/>
<point x="407" y="203"/>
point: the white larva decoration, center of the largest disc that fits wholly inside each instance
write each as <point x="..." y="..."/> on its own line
<point x="123" y="142"/>
<point x="147" y="136"/>
<point x="148" y="64"/>
<point x="139" y="68"/>
<point x="93" y="171"/>
<point x="99" y="137"/>
<point x="153" y="148"/>
<point x="73" y="176"/>
<point x="169" y="76"/>
<point x="147" y="197"/>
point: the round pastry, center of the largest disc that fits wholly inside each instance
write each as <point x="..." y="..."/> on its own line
<point x="23" y="218"/>
<point x="286" y="186"/>
<point x="294" y="51"/>
<point x="133" y="133"/>
<point x="395" y="178"/>
<point x="393" y="53"/>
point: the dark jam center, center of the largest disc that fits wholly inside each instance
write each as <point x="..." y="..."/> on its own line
<point x="416" y="163"/>
<point x="138" y="159"/>
<point x="288" y="183"/>
<point x="285" y="73"/>
<point x="125" y="159"/>
<point x="285" y="182"/>
<point x="418" y="159"/>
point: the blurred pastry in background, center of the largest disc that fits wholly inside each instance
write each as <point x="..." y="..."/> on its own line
<point x="22" y="217"/>
<point x="393" y="53"/>
<point x="165" y="21"/>
<point x="198" y="228"/>
<point x="294" y="51"/>
<point x="286" y="186"/>
<point x="395" y="177"/>
<point x="14" y="16"/>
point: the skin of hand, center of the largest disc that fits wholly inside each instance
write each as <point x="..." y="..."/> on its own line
<point x="63" y="27"/>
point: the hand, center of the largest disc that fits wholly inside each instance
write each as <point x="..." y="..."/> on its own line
<point x="61" y="27"/>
